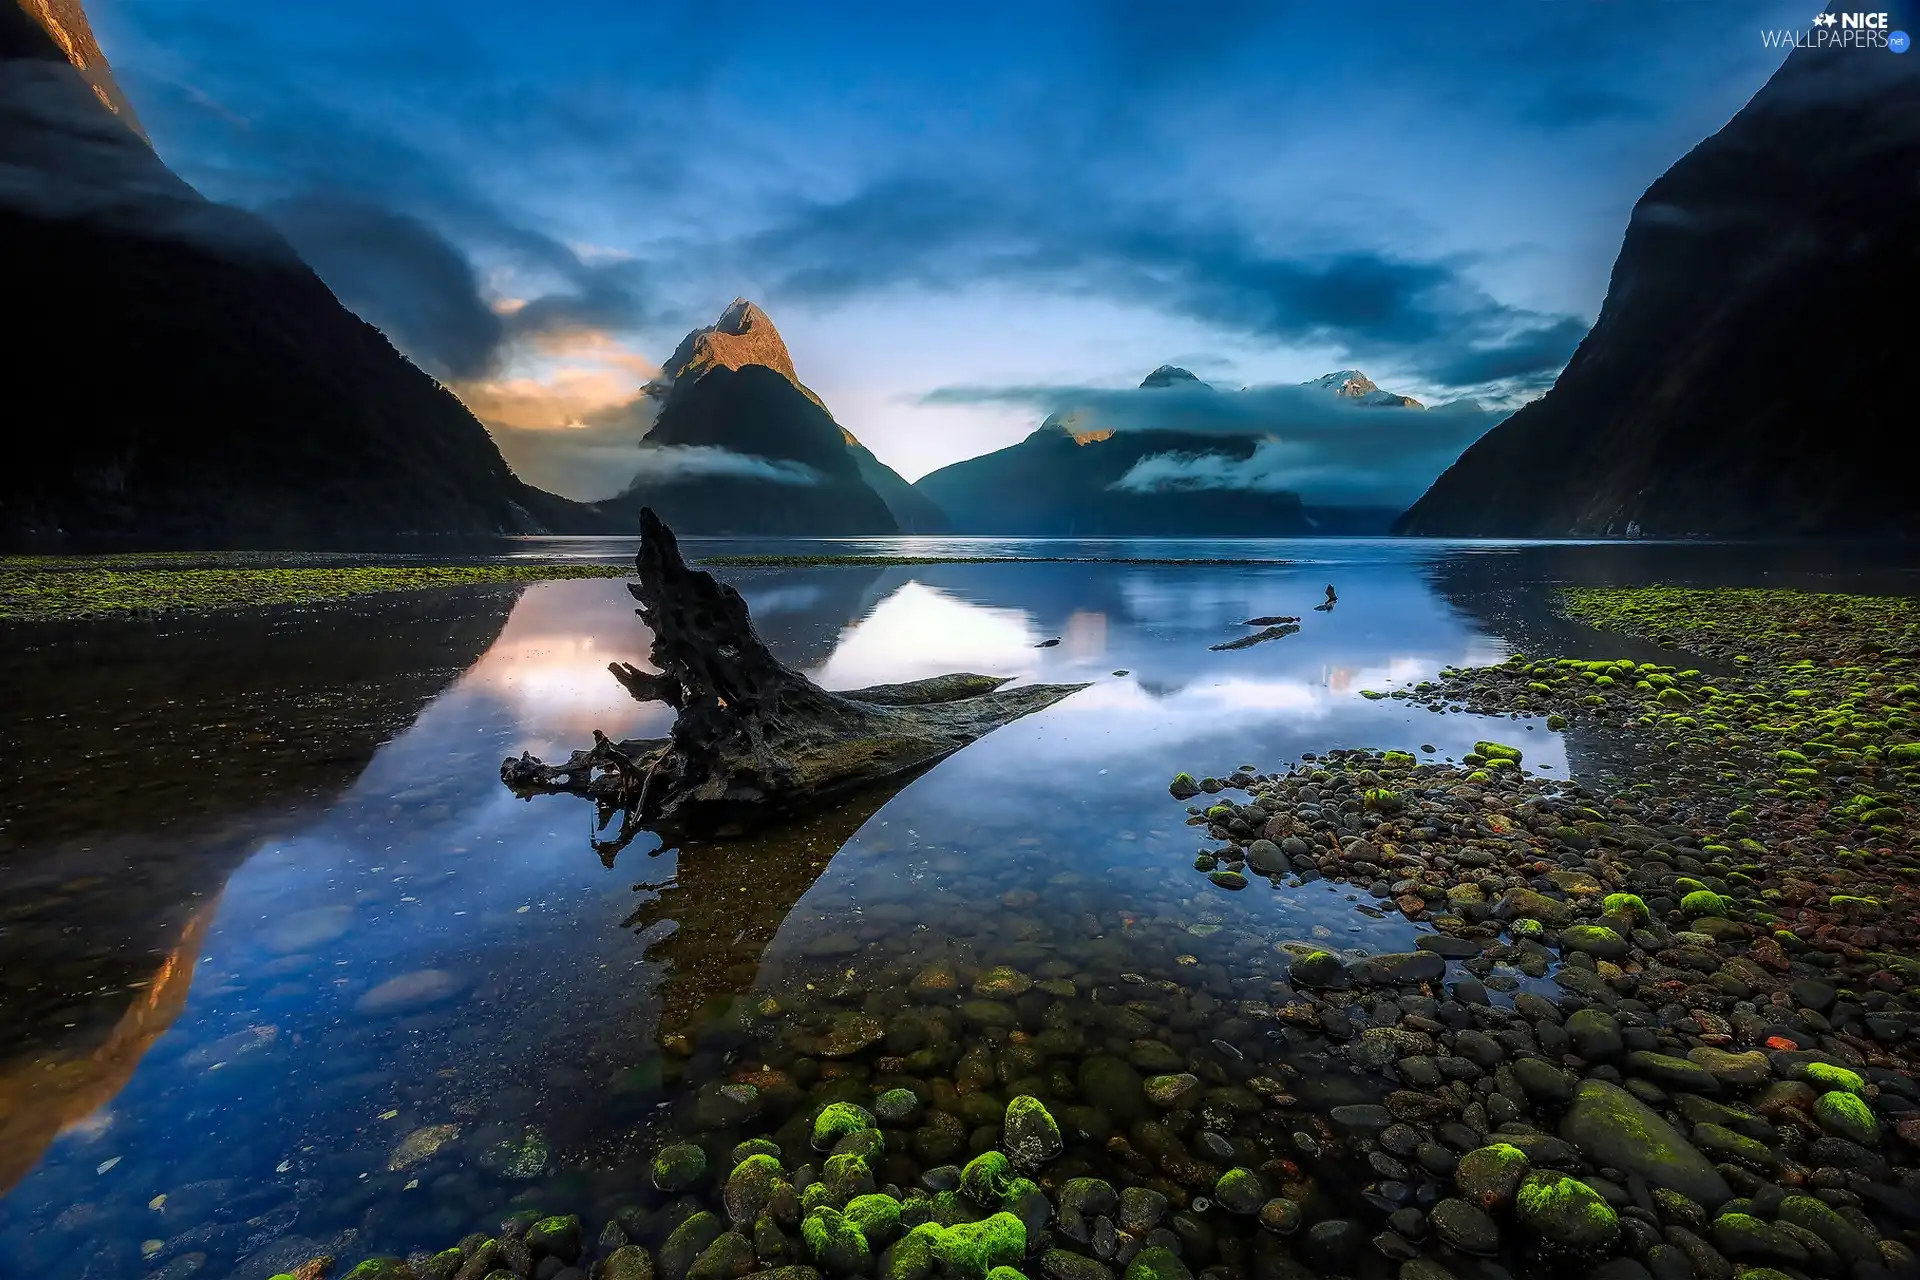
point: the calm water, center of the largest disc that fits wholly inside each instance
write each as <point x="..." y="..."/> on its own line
<point x="283" y="967"/>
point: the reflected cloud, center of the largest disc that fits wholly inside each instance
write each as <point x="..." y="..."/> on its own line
<point x="921" y="631"/>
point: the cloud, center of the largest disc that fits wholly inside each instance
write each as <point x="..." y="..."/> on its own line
<point x="1270" y="469"/>
<point x="426" y="293"/>
<point x="1425" y="316"/>
<point x="571" y="421"/>
<point x="1327" y="448"/>
<point x="666" y="462"/>
<point x="585" y="461"/>
<point x="400" y="274"/>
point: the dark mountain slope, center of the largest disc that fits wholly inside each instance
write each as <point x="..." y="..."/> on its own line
<point x="1746" y="375"/>
<point x="175" y="371"/>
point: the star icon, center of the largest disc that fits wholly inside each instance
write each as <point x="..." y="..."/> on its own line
<point x="1824" y="20"/>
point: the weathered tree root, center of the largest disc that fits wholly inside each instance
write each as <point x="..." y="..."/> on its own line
<point x="755" y="741"/>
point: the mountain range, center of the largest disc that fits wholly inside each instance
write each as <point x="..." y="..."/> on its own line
<point x="176" y="370"/>
<point x="1074" y="477"/>
<point x="1743" y="377"/>
<point x="180" y="373"/>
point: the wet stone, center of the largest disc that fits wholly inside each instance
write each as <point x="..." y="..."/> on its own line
<point x="1465" y="1227"/>
<point x="1141" y="1209"/>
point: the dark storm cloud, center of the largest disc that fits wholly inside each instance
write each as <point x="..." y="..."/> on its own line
<point x="402" y="275"/>
<point x="408" y="278"/>
<point x="1425" y="316"/>
<point x="399" y="235"/>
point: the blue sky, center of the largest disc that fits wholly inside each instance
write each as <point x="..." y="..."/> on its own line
<point x="536" y="201"/>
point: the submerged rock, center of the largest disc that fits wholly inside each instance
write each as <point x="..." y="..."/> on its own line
<point x="1614" y="1129"/>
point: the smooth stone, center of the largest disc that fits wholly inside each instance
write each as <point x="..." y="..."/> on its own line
<point x="409" y="991"/>
<point x="1465" y="1226"/>
<point x="1615" y="1130"/>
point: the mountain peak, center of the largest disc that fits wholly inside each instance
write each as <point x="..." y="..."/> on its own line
<point x="1172" y="375"/>
<point x="1072" y="424"/>
<point x="743" y="335"/>
<point x="1352" y="384"/>
<point x="1346" y="382"/>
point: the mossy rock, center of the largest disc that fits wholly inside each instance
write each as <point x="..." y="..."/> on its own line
<point x="846" y="1176"/>
<point x="1703" y="902"/>
<point x="1626" y="906"/>
<point x="380" y="1269"/>
<point x="1497" y="751"/>
<point x="837" y="1245"/>
<point x="986" y="1178"/>
<point x="1490" y="1176"/>
<point x="877" y="1216"/>
<point x="1848" y="1116"/>
<point x="751" y="1186"/>
<point x="836" y="1120"/>
<point x="1157" y="1262"/>
<point x="1565" y="1213"/>
<point x="969" y="1250"/>
<point x="1827" y="1077"/>
<point x="1029" y="1132"/>
<point x="556" y="1237"/>
<point x="678" y="1166"/>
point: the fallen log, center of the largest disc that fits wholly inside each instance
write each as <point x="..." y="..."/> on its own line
<point x="755" y="741"/>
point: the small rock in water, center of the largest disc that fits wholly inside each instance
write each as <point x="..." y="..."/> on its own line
<point x="410" y="991"/>
<point x="420" y="1145"/>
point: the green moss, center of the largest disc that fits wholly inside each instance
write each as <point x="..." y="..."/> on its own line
<point x="1381" y="800"/>
<point x="43" y="589"/>
<point x="379" y="1269"/>
<point x="837" y="1245"/>
<point x="1006" y="1273"/>
<point x="876" y="1215"/>
<point x="1626" y="905"/>
<point x="1848" y="1115"/>
<point x="1827" y="1077"/>
<point x="984" y="1180"/>
<point x="1703" y="902"/>
<point x="969" y="1250"/>
<point x="1565" y="1211"/>
<point x="1398" y="758"/>
<point x="1497" y="751"/>
<point x="838" y="1119"/>
<point x="678" y="1166"/>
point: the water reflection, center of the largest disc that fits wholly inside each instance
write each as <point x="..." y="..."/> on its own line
<point x="420" y="1000"/>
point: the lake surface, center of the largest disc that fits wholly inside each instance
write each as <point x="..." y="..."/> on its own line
<point x="284" y="969"/>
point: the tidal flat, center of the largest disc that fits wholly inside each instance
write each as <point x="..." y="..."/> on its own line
<point x="1522" y="964"/>
<point x="78" y="588"/>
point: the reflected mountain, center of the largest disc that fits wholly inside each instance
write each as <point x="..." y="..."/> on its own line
<point x="41" y="1097"/>
<point x="160" y="758"/>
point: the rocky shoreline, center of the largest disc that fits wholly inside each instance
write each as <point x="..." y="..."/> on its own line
<point x="1660" y="1033"/>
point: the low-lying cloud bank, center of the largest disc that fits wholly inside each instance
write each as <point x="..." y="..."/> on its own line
<point x="660" y="463"/>
<point x="1329" y="449"/>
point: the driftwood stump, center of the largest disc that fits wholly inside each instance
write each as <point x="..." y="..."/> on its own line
<point x="755" y="741"/>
